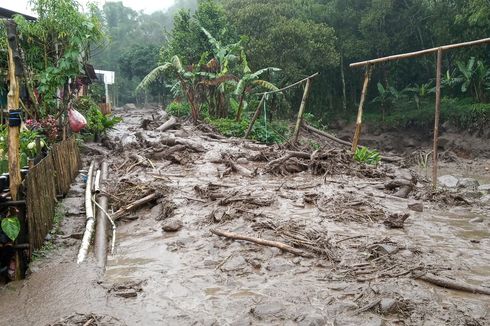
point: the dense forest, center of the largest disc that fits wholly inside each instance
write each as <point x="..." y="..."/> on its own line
<point x="301" y="37"/>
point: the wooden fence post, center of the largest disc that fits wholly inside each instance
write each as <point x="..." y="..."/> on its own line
<point x="254" y="118"/>
<point x="437" y="118"/>
<point x="357" y="134"/>
<point x="14" y="110"/>
<point x="302" y="110"/>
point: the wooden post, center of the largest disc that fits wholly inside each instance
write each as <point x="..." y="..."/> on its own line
<point x="302" y="110"/>
<point x="437" y="118"/>
<point x="254" y="118"/>
<point x="13" y="108"/>
<point x="357" y="135"/>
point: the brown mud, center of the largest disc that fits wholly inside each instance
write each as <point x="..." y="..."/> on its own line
<point x="361" y="258"/>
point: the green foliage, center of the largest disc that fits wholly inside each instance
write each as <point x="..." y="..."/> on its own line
<point x="366" y="156"/>
<point x="55" y="43"/>
<point x="229" y="127"/>
<point x="178" y="109"/>
<point x="11" y="227"/>
<point x="98" y="123"/>
<point x="28" y="149"/>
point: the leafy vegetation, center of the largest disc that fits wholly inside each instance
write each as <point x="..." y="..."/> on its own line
<point x="367" y="156"/>
<point x="11" y="227"/>
<point x="178" y="109"/>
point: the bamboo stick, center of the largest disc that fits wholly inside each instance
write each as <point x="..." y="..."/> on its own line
<point x="437" y="118"/>
<point x="290" y="86"/>
<point x="263" y="242"/>
<point x="418" y="53"/>
<point x="254" y="118"/>
<point x="89" y="211"/>
<point x="13" y="104"/>
<point x="326" y="135"/>
<point x="302" y="110"/>
<point x="357" y="134"/>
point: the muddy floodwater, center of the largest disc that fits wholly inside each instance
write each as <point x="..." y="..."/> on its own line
<point x="356" y="268"/>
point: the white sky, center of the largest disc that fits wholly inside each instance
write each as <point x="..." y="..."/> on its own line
<point x="148" y="6"/>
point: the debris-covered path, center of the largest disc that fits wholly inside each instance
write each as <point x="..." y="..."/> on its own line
<point x="357" y="259"/>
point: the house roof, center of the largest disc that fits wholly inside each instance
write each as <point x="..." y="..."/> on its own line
<point x="7" y="13"/>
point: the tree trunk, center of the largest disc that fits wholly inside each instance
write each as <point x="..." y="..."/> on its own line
<point x="342" y="76"/>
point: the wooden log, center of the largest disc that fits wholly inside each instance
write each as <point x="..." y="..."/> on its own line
<point x="290" y="86"/>
<point x="255" y="117"/>
<point x="357" y="134"/>
<point x="132" y="206"/>
<point x="89" y="212"/>
<point x="437" y="118"/>
<point x="327" y="135"/>
<point x="280" y="245"/>
<point x="302" y="107"/>
<point x="240" y="169"/>
<point x="169" y="124"/>
<point x="419" y="53"/>
<point x="453" y="285"/>
<point x="13" y="105"/>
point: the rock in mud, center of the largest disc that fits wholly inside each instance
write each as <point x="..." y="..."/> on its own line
<point x="396" y="220"/>
<point x="416" y="206"/>
<point x="234" y="264"/>
<point x="485" y="200"/>
<point x="468" y="183"/>
<point x="268" y="310"/>
<point x="448" y="181"/>
<point x="312" y="320"/>
<point x="484" y="188"/>
<point x="172" y="225"/>
<point x="387" y="305"/>
<point x="242" y="160"/>
<point x="129" y="106"/>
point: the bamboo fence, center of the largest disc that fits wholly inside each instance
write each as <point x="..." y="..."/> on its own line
<point x="52" y="176"/>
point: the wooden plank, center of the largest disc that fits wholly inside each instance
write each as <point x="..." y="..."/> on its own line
<point x="302" y="107"/>
<point x="357" y="134"/>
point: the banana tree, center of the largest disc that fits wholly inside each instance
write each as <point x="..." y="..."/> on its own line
<point x="419" y="91"/>
<point x="186" y="78"/>
<point x="386" y="97"/>
<point x="251" y="79"/>
<point x="475" y="77"/>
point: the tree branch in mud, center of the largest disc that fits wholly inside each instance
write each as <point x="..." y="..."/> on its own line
<point x="240" y="169"/>
<point x="280" y="245"/>
<point x="326" y="135"/>
<point x="136" y="204"/>
<point x="453" y="285"/>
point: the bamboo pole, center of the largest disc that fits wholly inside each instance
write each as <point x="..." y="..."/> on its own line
<point x="13" y="106"/>
<point x="357" y="134"/>
<point x="437" y="118"/>
<point x="254" y="118"/>
<point x="89" y="212"/>
<point x="302" y="110"/>
<point x="289" y="86"/>
<point x="101" y="227"/>
<point x="418" y="53"/>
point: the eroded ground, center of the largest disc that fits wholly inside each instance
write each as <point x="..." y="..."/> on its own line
<point x="351" y="268"/>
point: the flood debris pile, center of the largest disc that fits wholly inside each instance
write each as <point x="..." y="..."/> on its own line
<point x="88" y="320"/>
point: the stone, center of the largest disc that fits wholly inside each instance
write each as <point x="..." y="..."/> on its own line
<point x="468" y="183"/>
<point x="416" y="206"/>
<point x="234" y="264"/>
<point x="312" y="320"/>
<point x="129" y="106"/>
<point x="485" y="200"/>
<point x="242" y="160"/>
<point x="478" y="219"/>
<point x="484" y="188"/>
<point x="448" y="181"/>
<point x="172" y="225"/>
<point x="156" y="212"/>
<point x="268" y="310"/>
<point x="387" y="305"/>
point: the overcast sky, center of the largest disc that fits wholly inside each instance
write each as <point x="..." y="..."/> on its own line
<point x="148" y="6"/>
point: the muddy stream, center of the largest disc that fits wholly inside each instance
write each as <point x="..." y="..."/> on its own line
<point x="358" y="270"/>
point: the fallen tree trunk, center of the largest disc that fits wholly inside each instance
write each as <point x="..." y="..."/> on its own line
<point x="326" y="135"/>
<point x="89" y="211"/>
<point x="280" y="245"/>
<point x="138" y="203"/>
<point x="453" y="285"/>
<point x="169" y="124"/>
<point x="240" y="169"/>
<point x="287" y="156"/>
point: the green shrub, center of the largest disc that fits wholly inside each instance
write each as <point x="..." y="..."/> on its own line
<point x="229" y="127"/>
<point x="179" y="109"/>
<point x="366" y="156"/>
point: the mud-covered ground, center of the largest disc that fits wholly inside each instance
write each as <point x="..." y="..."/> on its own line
<point x="358" y="259"/>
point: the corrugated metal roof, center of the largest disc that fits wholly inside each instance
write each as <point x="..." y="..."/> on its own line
<point x="7" y="13"/>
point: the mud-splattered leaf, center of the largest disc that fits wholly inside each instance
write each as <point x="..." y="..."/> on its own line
<point x="11" y="227"/>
